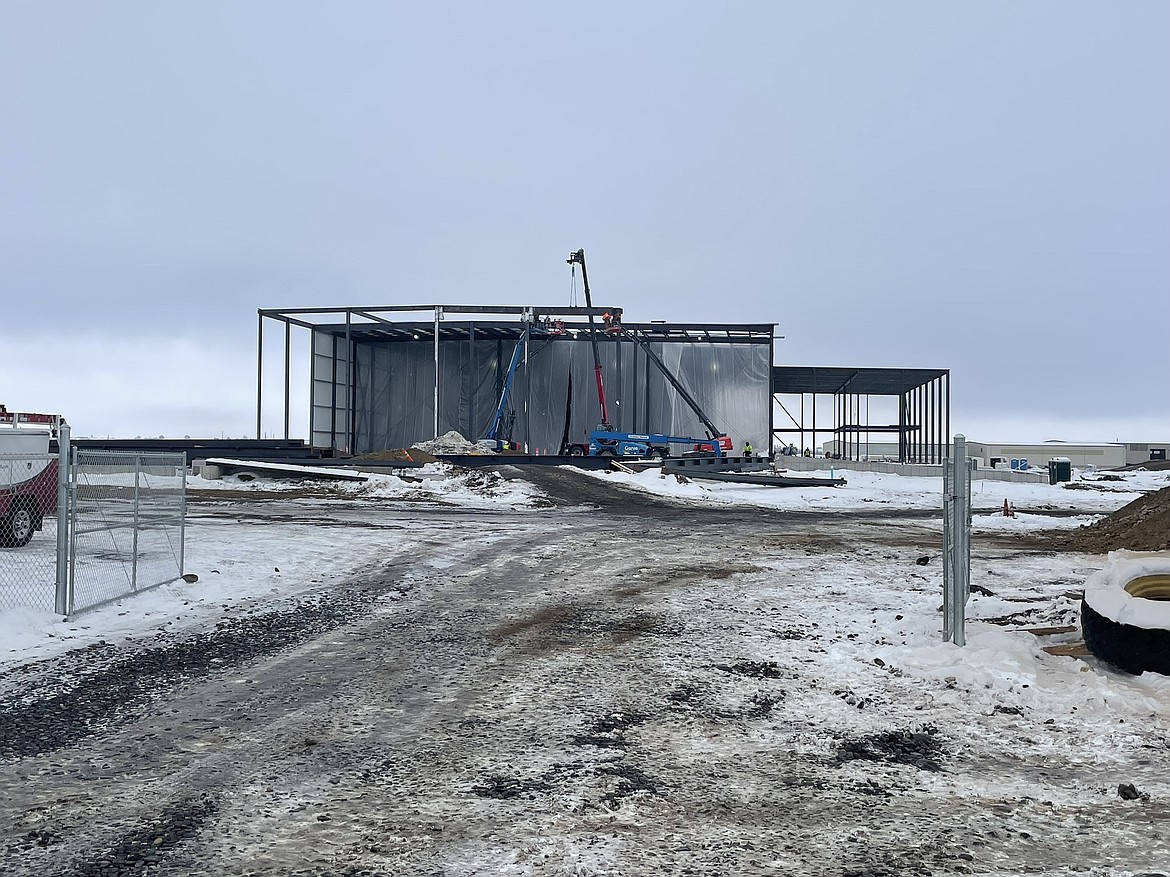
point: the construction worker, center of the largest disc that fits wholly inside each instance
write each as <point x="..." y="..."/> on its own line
<point x="747" y="448"/>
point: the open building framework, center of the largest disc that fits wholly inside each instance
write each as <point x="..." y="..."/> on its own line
<point x="924" y="408"/>
<point x="453" y="332"/>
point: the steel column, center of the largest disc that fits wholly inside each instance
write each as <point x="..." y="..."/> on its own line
<point x="438" y="312"/>
<point x="348" y="382"/>
<point x="287" y="373"/>
<point x="902" y="437"/>
<point x="333" y="394"/>
<point x="814" y="424"/>
<point x="259" y="368"/>
<point x="472" y="426"/>
<point x="948" y="395"/>
<point x="527" y="390"/>
<point x="771" y="398"/>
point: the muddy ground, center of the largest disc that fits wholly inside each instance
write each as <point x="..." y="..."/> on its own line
<point x="609" y="685"/>
<point x="1143" y="525"/>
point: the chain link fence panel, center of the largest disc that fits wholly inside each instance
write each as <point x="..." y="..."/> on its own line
<point x="28" y="530"/>
<point x="127" y="529"/>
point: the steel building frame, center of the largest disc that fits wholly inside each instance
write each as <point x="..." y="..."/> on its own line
<point x="351" y="325"/>
<point x="924" y="407"/>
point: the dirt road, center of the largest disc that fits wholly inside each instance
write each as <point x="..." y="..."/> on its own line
<point x="633" y="688"/>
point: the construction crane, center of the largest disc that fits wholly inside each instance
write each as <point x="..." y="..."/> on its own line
<point x="605" y="439"/>
<point x="578" y="258"/>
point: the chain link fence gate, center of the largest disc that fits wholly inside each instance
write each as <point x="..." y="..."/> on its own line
<point x="123" y="529"/>
<point x="29" y="498"/>
<point x="127" y="525"/>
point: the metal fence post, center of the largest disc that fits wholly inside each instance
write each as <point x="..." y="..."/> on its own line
<point x="948" y="543"/>
<point x="183" y="520"/>
<point x="73" y="515"/>
<point x="134" y="562"/>
<point x="957" y="542"/>
<point x="61" y="597"/>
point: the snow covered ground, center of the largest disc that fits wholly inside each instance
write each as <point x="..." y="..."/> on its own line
<point x="866" y="489"/>
<point x="247" y="562"/>
<point x="242" y="562"/>
<point x="695" y="687"/>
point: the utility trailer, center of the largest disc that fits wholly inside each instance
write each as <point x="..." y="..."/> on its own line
<point x="28" y="475"/>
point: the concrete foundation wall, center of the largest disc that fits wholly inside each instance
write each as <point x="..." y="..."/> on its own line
<point x="921" y="470"/>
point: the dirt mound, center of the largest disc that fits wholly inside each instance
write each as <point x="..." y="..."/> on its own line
<point x="414" y="455"/>
<point x="1143" y="525"/>
<point x="1149" y="465"/>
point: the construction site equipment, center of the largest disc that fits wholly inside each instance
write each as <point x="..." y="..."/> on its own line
<point x="499" y="434"/>
<point x="608" y="443"/>
<point x="578" y="258"/>
<point x="605" y="440"/>
<point x="716" y="437"/>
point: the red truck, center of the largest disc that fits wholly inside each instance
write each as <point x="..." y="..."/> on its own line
<point x="28" y="475"/>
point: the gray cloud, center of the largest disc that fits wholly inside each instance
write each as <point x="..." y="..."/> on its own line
<point x="983" y="187"/>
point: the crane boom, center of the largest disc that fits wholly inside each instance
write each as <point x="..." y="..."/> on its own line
<point x="713" y="432"/>
<point x="578" y="258"/>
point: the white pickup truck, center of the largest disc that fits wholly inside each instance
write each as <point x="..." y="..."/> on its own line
<point x="28" y="475"/>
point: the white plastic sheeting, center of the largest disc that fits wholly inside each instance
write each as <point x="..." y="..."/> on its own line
<point x="393" y="398"/>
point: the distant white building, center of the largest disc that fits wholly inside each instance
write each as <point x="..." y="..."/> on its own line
<point x="1145" y="452"/>
<point x="1103" y="455"/>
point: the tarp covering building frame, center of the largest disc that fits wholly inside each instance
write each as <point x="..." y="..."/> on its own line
<point x="382" y="378"/>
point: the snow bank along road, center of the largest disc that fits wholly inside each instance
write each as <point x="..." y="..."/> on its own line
<point x="608" y="683"/>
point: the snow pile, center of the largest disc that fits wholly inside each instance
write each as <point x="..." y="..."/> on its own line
<point x="865" y="490"/>
<point x="450" y="443"/>
<point x="1021" y="521"/>
<point x="1131" y="479"/>
<point x="248" y="482"/>
<point x="439" y="482"/>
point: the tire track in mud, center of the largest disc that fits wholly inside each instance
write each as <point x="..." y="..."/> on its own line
<point x="40" y="717"/>
<point x="187" y="724"/>
<point x="546" y="695"/>
<point x="567" y="488"/>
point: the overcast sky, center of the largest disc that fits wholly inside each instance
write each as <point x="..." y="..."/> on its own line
<point x="983" y="187"/>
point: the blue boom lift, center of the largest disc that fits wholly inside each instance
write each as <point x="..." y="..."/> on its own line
<point x="499" y="434"/>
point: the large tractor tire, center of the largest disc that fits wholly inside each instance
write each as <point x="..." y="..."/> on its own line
<point x="1125" y="613"/>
